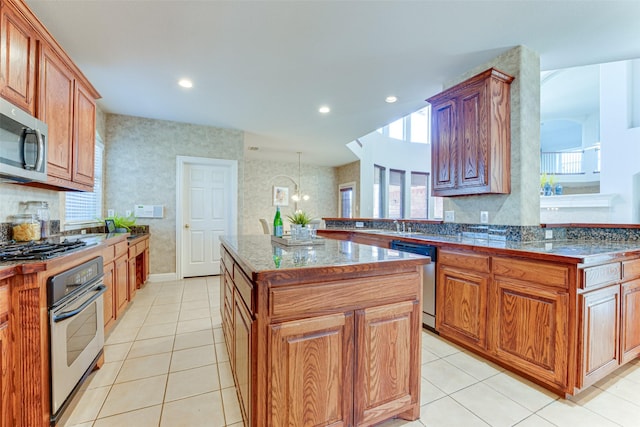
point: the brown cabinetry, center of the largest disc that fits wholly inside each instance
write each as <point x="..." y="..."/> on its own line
<point x="6" y="416"/>
<point x="309" y="350"/>
<point x="462" y="297"/>
<point x="241" y="355"/>
<point x="385" y="379"/>
<point x="514" y="311"/>
<point x="315" y="395"/>
<point x="39" y="77"/>
<point x="115" y="279"/>
<point x="69" y="111"/>
<point x="471" y="136"/>
<point x="18" y="55"/>
<point x="599" y="333"/>
<point x="630" y="307"/>
<point x="121" y="279"/>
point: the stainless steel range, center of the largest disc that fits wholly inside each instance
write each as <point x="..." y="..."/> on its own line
<point x="76" y="331"/>
<point x="40" y="250"/>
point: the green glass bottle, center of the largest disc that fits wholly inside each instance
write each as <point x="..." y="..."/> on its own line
<point x="277" y="224"/>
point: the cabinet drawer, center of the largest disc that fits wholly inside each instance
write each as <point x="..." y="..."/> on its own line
<point x="244" y="287"/>
<point x="530" y="271"/>
<point x="228" y="291"/>
<point x="479" y="263"/>
<point x="331" y="297"/>
<point x="601" y="275"/>
<point x="108" y="254"/>
<point x="227" y="261"/>
<point x="121" y="248"/>
<point x="630" y="269"/>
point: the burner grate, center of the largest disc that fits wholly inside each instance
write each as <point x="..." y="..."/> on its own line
<point x="37" y="250"/>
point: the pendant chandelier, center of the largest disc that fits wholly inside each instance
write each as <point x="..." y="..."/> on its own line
<point x="299" y="195"/>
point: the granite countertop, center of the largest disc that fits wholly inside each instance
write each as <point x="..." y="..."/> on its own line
<point x="258" y="254"/>
<point x="574" y="251"/>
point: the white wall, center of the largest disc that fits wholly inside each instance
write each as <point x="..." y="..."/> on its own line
<point x="620" y="141"/>
<point x="389" y="153"/>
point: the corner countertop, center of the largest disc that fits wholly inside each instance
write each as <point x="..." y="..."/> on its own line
<point x="94" y="241"/>
<point x="258" y="255"/>
<point x="572" y="251"/>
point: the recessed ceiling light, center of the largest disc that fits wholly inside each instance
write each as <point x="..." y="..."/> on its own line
<point x="324" y="109"/>
<point x="185" y="83"/>
<point x="391" y="99"/>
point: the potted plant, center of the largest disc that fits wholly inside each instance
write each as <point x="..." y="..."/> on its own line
<point x="123" y="223"/>
<point x="299" y="217"/>
<point x="299" y="221"/>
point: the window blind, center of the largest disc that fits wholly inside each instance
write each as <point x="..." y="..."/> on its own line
<point x="84" y="206"/>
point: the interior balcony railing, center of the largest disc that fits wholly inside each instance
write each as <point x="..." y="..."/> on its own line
<point x="569" y="162"/>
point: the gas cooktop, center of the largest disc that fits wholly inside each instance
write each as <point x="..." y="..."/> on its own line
<point x="13" y="251"/>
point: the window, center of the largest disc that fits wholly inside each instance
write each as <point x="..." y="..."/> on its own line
<point x="396" y="194"/>
<point x="84" y="207"/>
<point x="419" y="195"/>
<point x="412" y="128"/>
<point x="347" y="194"/>
<point x="378" y="191"/>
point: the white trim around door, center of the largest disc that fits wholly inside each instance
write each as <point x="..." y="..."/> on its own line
<point x="231" y="204"/>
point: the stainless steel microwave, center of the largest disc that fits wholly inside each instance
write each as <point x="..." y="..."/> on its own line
<point x="23" y="145"/>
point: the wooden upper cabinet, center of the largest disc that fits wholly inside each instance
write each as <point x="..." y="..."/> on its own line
<point x="84" y="136"/>
<point x="17" y="58"/>
<point x="56" y="109"/>
<point x="69" y="110"/>
<point x="471" y="136"/>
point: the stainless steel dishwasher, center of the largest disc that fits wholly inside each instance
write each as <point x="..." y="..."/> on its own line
<point x="428" y="278"/>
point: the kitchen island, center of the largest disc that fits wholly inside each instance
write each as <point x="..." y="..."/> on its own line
<point x="324" y="334"/>
<point x="563" y="314"/>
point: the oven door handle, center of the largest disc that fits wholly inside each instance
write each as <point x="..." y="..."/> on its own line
<point x="66" y="314"/>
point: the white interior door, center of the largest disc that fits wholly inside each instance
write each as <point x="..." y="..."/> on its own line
<point x="208" y="212"/>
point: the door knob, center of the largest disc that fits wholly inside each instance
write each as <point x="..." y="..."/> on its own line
<point x="186" y="226"/>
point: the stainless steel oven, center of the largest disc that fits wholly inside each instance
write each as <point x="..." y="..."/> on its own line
<point x="76" y="329"/>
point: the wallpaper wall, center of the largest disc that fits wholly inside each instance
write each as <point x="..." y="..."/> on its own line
<point x="351" y="173"/>
<point x="522" y="206"/>
<point x="140" y="167"/>
<point x="319" y="182"/>
<point x="12" y="194"/>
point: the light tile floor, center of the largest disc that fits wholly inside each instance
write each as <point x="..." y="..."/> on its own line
<point x="166" y="365"/>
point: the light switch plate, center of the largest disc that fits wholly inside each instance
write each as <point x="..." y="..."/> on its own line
<point x="449" y="216"/>
<point x="548" y="234"/>
<point x="484" y="217"/>
<point x="359" y="224"/>
<point x="110" y="213"/>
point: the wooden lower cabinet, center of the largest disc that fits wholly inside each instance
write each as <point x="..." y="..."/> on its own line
<point x="630" y="306"/>
<point x="242" y="350"/>
<point x="314" y="393"/>
<point x="121" y="279"/>
<point x="131" y="282"/>
<point x="385" y="378"/>
<point x="340" y="352"/>
<point x="599" y="334"/>
<point x="462" y="298"/>
<point x="109" y="304"/>
<point x="530" y="329"/>
<point x="6" y="415"/>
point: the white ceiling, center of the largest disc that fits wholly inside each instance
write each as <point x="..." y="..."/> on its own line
<point x="266" y="66"/>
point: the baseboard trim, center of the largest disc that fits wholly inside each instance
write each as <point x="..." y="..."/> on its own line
<point x="162" y="277"/>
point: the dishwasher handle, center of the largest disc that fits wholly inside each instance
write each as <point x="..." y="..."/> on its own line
<point x="415" y="248"/>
